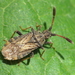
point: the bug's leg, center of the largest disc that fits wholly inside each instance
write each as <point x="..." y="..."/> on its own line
<point x="45" y="25"/>
<point x="23" y="29"/>
<point x="38" y="27"/>
<point x="18" y="32"/>
<point x="51" y="45"/>
<point x="41" y="54"/>
<point x="7" y="42"/>
<point x="32" y="54"/>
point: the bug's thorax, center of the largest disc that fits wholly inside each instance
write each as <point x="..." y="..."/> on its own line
<point x="47" y="34"/>
<point x="40" y="37"/>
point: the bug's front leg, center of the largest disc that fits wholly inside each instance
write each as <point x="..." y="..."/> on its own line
<point x="51" y="45"/>
<point x="18" y="32"/>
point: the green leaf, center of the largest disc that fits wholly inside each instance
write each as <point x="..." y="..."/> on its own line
<point x="25" y="13"/>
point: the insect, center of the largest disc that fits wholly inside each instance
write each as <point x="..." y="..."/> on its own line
<point x="21" y="46"/>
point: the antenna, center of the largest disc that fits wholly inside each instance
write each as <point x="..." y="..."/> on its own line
<point x="54" y="13"/>
<point x="62" y="37"/>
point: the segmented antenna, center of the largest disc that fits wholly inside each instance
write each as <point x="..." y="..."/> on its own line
<point x="54" y="13"/>
<point x="62" y="37"/>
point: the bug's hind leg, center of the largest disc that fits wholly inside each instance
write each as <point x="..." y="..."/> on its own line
<point x="7" y="42"/>
<point x="32" y="54"/>
<point x="18" y="32"/>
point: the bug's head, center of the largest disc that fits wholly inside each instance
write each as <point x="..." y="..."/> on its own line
<point x="48" y="32"/>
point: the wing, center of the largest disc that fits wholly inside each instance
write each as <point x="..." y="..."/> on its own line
<point x="27" y="49"/>
<point x="20" y="47"/>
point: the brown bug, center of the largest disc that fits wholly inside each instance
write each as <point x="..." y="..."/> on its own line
<point x="19" y="47"/>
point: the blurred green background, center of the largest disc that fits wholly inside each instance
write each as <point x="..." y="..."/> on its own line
<point x="25" y="13"/>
